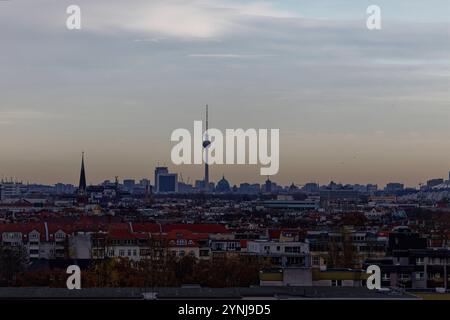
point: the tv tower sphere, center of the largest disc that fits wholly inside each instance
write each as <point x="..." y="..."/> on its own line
<point x="206" y="143"/>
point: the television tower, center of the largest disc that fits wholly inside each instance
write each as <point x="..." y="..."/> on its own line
<point x="206" y="144"/>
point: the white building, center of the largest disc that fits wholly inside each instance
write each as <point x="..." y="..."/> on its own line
<point x="289" y="253"/>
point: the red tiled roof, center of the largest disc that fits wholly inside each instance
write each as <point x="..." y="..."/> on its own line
<point x="197" y="228"/>
<point x="146" y="227"/>
<point x="274" y="234"/>
<point x="121" y="234"/>
<point x="114" y="229"/>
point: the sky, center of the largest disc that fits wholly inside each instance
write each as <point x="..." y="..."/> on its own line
<point x="352" y="105"/>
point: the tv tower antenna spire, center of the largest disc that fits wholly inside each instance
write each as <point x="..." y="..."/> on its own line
<point x="206" y="143"/>
<point x="207" y="119"/>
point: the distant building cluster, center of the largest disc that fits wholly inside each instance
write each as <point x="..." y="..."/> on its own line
<point x="310" y="235"/>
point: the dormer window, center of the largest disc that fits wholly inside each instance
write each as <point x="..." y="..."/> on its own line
<point x="60" y="235"/>
<point x="34" y="235"/>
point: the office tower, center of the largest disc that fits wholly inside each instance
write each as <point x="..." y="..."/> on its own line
<point x="129" y="184"/>
<point x="268" y="186"/>
<point x="394" y="187"/>
<point x="158" y="171"/>
<point x="434" y="182"/>
<point x="311" y="187"/>
<point x="167" y="183"/>
<point x="200" y="185"/>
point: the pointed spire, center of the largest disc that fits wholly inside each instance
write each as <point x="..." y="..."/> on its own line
<point x="82" y="185"/>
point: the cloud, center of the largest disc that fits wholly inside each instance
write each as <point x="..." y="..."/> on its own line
<point x="183" y="19"/>
<point x="139" y="70"/>
<point x="153" y="40"/>
<point x="10" y="116"/>
<point x="258" y="9"/>
<point x="228" y="56"/>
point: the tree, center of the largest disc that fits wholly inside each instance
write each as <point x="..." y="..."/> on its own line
<point x="13" y="260"/>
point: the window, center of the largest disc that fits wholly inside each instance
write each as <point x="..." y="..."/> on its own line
<point x="129" y="252"/>
<point x="34" y="235"/>
<point x="181" y="253"/>
<point x="420" y="275"/>
<point x="420" y="260"/>
<point x="122" y="253"/>
<point x="316" y="260"/>
<point x="60" y="235"/>
<point x="135" y="252"/>
<point x="336" y="283"/>
<point x="405" y="277"/>
<point x="292" y="249"/>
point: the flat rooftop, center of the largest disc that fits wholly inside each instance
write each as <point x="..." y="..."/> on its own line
<point x="275" y="293"/>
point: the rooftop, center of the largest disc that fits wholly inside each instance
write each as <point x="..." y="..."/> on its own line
<point x="340" y="293"/>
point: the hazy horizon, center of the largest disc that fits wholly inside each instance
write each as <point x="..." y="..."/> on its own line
<point x="352" y="105"/>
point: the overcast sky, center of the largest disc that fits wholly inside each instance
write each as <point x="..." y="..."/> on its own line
<point x="352" y="105"/>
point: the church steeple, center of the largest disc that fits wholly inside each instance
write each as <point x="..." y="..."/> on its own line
<point x="82" y="185"/>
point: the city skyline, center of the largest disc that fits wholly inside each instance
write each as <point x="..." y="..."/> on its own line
<point x="84" y="181"/>
<point x="352" y="105"/>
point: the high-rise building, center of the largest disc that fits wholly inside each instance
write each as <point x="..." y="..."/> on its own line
<point x="311" y="187"/>
<point x="167" y="183"/>
<point x="11" y="190"/>
<point x="434" y="182"/>
<point x="268" y="186"/>
<point x="158" y="171"/>
<point x="394" y="187"/>
<point x="129" y="184"/>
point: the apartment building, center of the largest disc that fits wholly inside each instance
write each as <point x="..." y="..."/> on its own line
<point x="39" y="240"/>
<point x="415" y="268"/>
<point x="279" y="253"/>
<point x="349" y="248"/>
